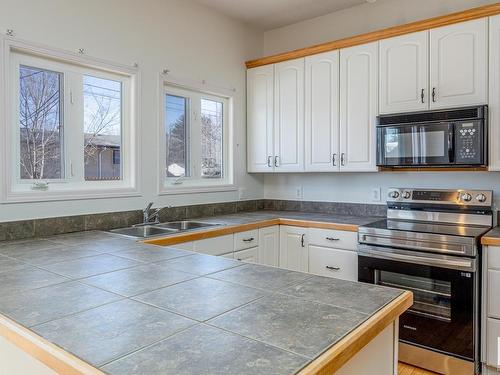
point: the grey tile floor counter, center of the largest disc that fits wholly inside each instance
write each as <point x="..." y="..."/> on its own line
<point x="130" y="308"/>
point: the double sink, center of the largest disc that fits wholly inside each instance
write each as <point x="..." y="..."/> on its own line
<point x="163" y="229"/>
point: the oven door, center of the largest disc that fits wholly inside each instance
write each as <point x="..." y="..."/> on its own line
<point x="416" y="145"/>
<point x="443" y="316"/>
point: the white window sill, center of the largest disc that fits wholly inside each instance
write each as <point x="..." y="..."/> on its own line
<point x="68" y="195"/>
<point x="191" y="189"/>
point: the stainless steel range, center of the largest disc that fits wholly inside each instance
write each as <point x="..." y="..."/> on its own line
<point x="430" y="245"/>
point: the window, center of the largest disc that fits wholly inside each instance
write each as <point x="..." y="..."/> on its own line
<point x="196" y="139"/>
<point x="71" y="126"/>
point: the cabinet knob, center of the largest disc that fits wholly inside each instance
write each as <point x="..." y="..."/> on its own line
<point x="434" y="94"/>
<point x="342" y="159"/>
<point x="302" y="240"/>
<point x="276" y="161"/>
<point x="422" y="96"/>
<point x="334" y="156"/>
<point x="269" y="158"/>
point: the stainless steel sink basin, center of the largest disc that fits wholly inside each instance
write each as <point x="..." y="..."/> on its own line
<point x="144" y="231"/>
<point x="164" y="229"/>
<point x="185" y="225"/>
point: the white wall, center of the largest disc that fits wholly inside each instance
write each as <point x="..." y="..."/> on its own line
<point x="357" y="187"/>
<point x="360" y="19"/>
<point x="190" y="40"/>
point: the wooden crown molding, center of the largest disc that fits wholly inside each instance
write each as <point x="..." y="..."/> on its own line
<point x="430" y="23"/>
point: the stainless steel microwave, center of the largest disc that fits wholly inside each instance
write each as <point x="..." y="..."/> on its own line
<point x="442" y="138"/>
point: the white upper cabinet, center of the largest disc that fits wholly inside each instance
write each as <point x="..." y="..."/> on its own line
<point x="289" y="116"/>
<point x="358" y="107"/>
<point x="404" y="73"/>
<point x="260" y="128"/>
<point x="494" y="94"/>
<point x="459" y="64"/>
<point x="322" y="112"/>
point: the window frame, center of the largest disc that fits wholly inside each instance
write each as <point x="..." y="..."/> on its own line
<point x="17" y="52"/>
<point x="186" y="185"/>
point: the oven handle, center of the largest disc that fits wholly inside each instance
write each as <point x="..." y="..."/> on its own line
<point x="441" y="261"/>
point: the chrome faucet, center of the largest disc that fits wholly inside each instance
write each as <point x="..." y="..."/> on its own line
<point x="151" y="215"/>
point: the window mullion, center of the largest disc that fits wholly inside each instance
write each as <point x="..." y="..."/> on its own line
<point x="195" y="139"/>
<point x="73" y="127"/>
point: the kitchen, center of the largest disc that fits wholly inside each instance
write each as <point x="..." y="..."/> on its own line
<point x="290" y="150"/>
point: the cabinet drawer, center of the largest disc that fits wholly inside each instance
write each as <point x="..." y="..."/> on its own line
<point x="228" y="255"/>
<point x="248" y="255"/>
<point x="215" y="245"/>
<point x="492" y="337"/>
<point x="341" y="264"/>
<point x="184" y="246"/>
<point x="246" y="240"/>
<point x="494" y="257"/>
<point x="493" y="295"/>
<point x="337" y="239"/>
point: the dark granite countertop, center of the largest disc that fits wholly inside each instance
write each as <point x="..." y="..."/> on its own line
<point x="256" y="216"/>
<point x="131" y="308"/>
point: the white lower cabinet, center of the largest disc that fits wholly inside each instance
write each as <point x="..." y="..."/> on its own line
<point x="189" y="246"/>
<point x="294" y="248"/>
<point x="492" y="339"/>
<point x="215" y="245"/>
<point x="269" y="245"/>
<point x="341" y="264"/>
<point x="247" y="255"/>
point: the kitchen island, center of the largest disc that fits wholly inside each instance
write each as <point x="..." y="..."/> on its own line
<point x="93" y="303"/>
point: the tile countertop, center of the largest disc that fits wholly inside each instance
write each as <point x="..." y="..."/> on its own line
<point x="492" y="237"/>
<point x="126" y="307"/>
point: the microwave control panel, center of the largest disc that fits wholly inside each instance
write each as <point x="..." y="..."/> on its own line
<point x="468" y="143"/>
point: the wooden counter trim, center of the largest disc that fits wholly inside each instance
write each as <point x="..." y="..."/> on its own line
<point x="340" y="353"/>
<point x="174" y="239"/>
<point x="57" y="359"/>
<point x="430" y="23"/>
<point x="491" y="241"/>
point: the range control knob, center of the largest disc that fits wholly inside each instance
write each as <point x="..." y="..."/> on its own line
<point x="394" y="194"/>
<point x="466" y="197"/>
<point x="481" y="198"/>
<point x="406" y="195"/>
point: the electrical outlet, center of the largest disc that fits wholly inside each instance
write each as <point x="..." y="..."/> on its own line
<point x="376" y="194"/>
<point x="299" y="192"/>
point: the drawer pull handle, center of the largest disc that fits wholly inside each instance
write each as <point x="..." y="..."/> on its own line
<point x="333" y="268"/>
<point x="239" y="259"/>
<point x="332" y="239"/>
<point x="248" y="239"/>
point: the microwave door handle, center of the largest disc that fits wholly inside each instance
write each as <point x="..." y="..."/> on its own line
<point x="451" y="143"/>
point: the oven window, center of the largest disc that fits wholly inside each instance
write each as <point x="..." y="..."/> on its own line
<point x="431" y="297"/>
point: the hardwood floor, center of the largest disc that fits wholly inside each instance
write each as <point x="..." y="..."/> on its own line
<point x="404" y="369"/>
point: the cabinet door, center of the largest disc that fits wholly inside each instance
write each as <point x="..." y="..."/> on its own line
<point x="269" y="246"/>
<point x="358" y="107"/>
<point x="215" y="245"/>
<point x="341" y="264"/>
<point x="184" y="246"/>
<point x="492" y="342"/>
<point x="458" y="64"/>
<point x="322" y="112"/>
<point x="404" y="73"/>
<point x="248" y="255"/>
<point x="260" y="118"/>
<point x="493" y="295"/>
<point x="289" y="116"/>
<point x="293" y="248"/>
<point x="494" y="94"/>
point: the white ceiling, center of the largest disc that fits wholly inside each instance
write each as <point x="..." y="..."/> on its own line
<point x="270" y="14"/>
